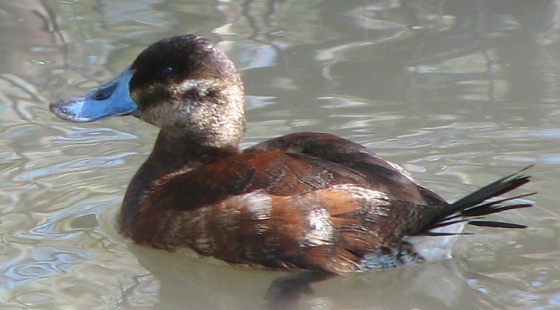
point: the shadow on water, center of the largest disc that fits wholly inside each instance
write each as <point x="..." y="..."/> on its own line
<point x="196" y="283"/>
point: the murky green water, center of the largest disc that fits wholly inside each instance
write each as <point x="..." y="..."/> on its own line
<point x="458" y="92"/>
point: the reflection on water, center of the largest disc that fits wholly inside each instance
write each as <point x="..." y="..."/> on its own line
<point x="459" y="92"/>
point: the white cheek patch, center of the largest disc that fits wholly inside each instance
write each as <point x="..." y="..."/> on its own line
<point x="204" y="108"/>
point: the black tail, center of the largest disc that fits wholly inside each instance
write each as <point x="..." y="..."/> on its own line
<point x="473" y="207"/>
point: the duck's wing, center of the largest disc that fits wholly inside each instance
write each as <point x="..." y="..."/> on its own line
<point x="384" y="175"/>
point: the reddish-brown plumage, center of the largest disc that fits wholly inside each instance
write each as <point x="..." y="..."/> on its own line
<point x="306" y="200"/>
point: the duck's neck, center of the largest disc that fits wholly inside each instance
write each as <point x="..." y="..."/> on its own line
<point x="170" y="154"/>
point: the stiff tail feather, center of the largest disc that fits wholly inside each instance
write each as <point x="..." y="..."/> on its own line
<point x="474" y="206"/>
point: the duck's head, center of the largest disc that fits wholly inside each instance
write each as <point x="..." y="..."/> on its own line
<point x="182" y="84"/>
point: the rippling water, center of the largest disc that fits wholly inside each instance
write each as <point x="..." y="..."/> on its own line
<point x="458" y="92"/>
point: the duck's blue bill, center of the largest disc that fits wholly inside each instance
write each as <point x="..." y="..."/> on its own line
<point x="111" y="99"/>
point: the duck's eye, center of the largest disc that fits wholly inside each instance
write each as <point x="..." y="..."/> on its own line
<point x="165" y="72"/>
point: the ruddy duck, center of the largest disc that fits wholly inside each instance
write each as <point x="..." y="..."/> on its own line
<point x="310" y="201"/>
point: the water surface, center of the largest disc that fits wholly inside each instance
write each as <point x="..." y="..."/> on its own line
<point x="459" y="92"/>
